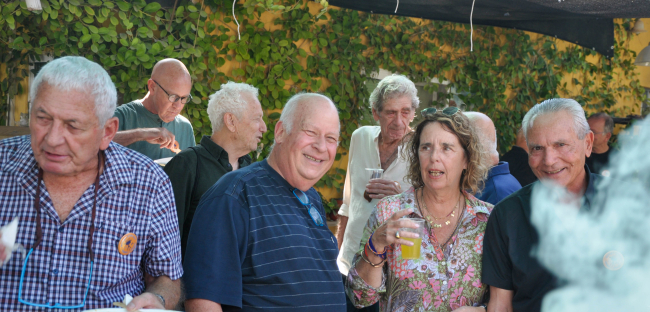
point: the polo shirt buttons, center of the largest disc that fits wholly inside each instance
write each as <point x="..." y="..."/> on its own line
<point x="61" y="229"/>
<point x="55" y="272"/>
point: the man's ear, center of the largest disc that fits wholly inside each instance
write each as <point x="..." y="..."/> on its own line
<point x="280" y="132"/>
<point x="589" y="143"/>
<point x="151" y="85"/>
<point x="609" y="136"/>
<point x="230" y="121"/>
<point x="375" y="115"/>
<point x="110" y="129"/>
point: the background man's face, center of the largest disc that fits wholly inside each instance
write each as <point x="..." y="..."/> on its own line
<point x="555" y="151"/>
<point x="597" y="126"/>
<point x="251" y="126"/>
<point x="65" y="132"/>
<point x="167" y="110"/>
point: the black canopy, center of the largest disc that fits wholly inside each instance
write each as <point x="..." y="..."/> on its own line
<point x="588" y="23"/>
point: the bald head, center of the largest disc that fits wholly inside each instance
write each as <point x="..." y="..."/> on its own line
<point x="487" y="133"/>
<point x="170" y="68"/>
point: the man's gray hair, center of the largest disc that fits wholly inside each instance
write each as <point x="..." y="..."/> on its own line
<point x="609" y="121"/>
<point x="391" y="87"/>
<point x="229" y="100"/>
<point x="580" y="125"/>
<point x="78" y="73"/>
<point x="290" y="110"/>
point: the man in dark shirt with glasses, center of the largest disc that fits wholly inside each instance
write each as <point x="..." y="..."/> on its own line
<point x="153" y="124"/>
<point x="259" y="241"/>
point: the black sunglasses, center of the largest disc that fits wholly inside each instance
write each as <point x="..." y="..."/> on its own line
<point x="449" y="111"/>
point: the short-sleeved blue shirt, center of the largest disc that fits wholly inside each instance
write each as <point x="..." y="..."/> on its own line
<point x="254" y="246"/>
<point x="499" y="184"/>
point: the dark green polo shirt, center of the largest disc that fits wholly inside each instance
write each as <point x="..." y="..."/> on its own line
<point x="188" y="188"/>
<point x="134" y="115"/>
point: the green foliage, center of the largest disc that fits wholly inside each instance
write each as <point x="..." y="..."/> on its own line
<point x="318" y="51"/>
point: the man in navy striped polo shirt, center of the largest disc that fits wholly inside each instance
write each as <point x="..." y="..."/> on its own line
<point x="259" y="240"/>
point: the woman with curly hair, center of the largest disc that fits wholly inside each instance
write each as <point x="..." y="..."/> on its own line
<point x="446" y="165"/>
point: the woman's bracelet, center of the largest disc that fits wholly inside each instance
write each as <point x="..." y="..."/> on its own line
<point x="364" y="256"/>
<point x="372" y="248"/>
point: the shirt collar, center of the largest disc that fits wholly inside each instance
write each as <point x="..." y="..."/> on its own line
<point x="117" y="170"/>
<point x="501" y="168"/>
<point x="219" y="153"/>
<point x="143" y="112"/>
<point x="591" y="188"/>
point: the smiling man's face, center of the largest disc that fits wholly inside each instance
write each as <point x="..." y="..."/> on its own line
<point x="308" y="152"/>
<point x="555" y="151"/>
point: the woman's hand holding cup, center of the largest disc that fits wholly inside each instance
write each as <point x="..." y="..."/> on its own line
<point x="387" y="234"/>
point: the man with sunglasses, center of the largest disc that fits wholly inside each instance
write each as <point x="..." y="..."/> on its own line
<point x="98" y="220"/>
<point x="152" y="124"/>
<point x="259" y="241"/>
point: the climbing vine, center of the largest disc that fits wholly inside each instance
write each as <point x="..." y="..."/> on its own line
<point x="283" y="47"/>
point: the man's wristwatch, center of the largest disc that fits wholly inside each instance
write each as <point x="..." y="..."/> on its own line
<point x="161" y="298"/>
<point x="484" y="306"/>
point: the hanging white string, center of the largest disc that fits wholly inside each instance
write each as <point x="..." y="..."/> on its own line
<point x="235" y="17"/>
<point x="397" y="6"/>
<point x="471" y="26"/>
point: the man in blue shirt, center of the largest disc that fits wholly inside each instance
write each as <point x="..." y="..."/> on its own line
<point x="258" y="241"/>
<point x="499" y="183"/>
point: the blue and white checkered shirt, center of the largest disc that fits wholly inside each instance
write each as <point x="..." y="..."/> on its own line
<point x="134" y="196"/>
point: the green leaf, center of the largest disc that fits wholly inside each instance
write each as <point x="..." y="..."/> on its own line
<point x="42" y="41"/>
<point x="114" y="20"/>
<point x="322" y="42"/>
<point x="151" y="7"/>
<point x="94" y="48"/>
<point x="283" y="43"/>
<point x="192" y="8"/>
<point x="93" y="29"/>
<point x="89" y="10"/>
<point x="180" y="10"/>
<point x="123" y="6"/>
<point x="85" y="38"/>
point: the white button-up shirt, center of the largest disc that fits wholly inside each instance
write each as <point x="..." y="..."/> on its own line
<point x="364" y="153"/>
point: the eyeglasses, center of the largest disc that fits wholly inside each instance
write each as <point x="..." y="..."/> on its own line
<point x="428" y="112"/>
<point x="173" y="97"/>
<point x="39" y="238"/>
<point x="313" y="212"/>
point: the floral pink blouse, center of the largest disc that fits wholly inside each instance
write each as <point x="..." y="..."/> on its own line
<point x="434" y="282"/>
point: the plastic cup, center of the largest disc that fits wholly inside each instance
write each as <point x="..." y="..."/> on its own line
<point x="375" y="173"/>
<point x="413" y="252"/>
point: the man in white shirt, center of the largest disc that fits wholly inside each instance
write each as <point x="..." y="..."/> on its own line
<point x="393" y="104"/>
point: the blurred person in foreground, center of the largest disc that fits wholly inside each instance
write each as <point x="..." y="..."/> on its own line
<point x="92" y="233"/>
<point x="517" y="159"/>
<point x="499" y="182"/>
<point x="153" y="124"/>
<point x="259" y="241"/>
<point x="445" y="159"/>
<point x="602" y="125"/>
<point x="559" y="139"/>
<point x="237" y="128"/>
<point x="393" y="104"/>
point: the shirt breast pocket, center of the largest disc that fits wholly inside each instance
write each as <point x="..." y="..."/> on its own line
<point x="118" y="253"/>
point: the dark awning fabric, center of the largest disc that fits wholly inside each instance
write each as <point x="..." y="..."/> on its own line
<point x="588" y="23"/>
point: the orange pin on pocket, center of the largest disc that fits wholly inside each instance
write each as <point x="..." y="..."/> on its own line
<point x="127" y="243"/>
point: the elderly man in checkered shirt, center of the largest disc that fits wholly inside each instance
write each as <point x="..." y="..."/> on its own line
<point x="98" y="220"/>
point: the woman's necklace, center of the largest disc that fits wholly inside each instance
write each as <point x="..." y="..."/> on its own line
<point x="429" y="216"/>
